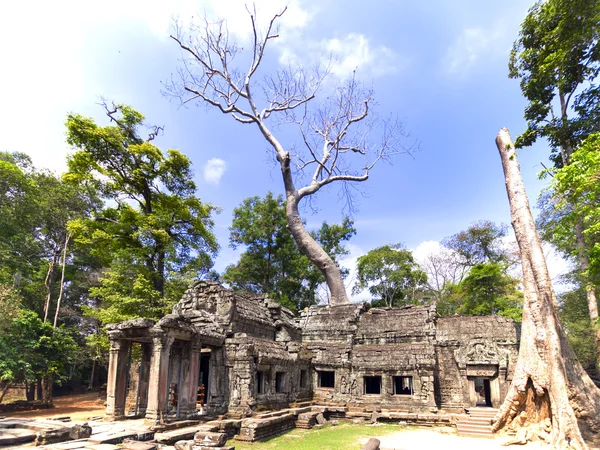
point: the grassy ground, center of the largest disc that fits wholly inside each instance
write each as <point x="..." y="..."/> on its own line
<point x="341" y="437"/>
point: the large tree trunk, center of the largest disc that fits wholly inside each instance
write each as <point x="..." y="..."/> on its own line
<point x="47" y="389"/>
<point x="551" y="397"/>
<point x="315" y="253"/>
<point x="305" y="241"/>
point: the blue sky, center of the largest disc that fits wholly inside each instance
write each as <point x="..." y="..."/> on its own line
<point x="439" y="65"/>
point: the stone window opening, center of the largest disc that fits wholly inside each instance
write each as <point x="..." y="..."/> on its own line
<point x="373" y="385"/>
<point x="279" y="381"/>
<point x="403" y="385"/>
<point x="260" y="382"/>
<point x="326" y="379"/>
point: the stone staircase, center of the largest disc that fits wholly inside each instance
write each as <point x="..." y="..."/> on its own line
<point x="478" y="424"/>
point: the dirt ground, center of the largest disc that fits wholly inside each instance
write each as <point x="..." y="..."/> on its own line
<point x="77" y="407"/>
<point x="429" y="439"/>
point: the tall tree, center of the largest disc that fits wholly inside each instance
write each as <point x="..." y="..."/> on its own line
<point x="271" y="261"/>
<point x="557" y="59"/>
<point x="551" y="396"/>
<point x="154" y="230"/>
<point x="341" y="140"/>
<point x="33" y="350"/>
<point x="487" y="289"/>
<point x="391" y="275"/>
<point x="570" y="219"/>
<point x="481" y="243"/>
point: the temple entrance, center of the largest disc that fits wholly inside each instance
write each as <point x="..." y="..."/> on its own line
<point x="203" y="379"/>
<point x="483" y="393"/>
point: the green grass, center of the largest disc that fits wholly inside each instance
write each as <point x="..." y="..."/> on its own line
<point x="342" y="437"/>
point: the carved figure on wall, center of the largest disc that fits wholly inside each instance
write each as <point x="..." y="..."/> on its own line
<point x="354" y="387"/>
<point x="344" y="389"/>
<point x="481" y="352"/>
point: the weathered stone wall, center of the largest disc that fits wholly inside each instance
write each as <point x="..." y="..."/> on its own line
<point x="261" y="356"/>
<point x="473" y="346"/>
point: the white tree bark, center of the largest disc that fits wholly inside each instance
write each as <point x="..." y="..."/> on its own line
<point x="551" y="396"/>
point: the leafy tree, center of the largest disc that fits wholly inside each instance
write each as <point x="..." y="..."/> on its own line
<point x="33" y="350"/>
<point x="557" y="59"/>
<point x="341" y="140"/>
<point x="35" y="207"/>
<point x="391" y="275"/>
<point x="575" y="320"/>
<point x="488" y="289"/>
<point x="271" y="262"/>
<point x="479" y="244"/>
<point x="154" y="231"/>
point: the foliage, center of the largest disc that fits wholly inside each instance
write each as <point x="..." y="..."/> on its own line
<point x="32" y="350"/>
<point x="576" y="322"/>
<point x="35" y="207"/>
<point x="557" y="59"/>
<point x="391" y="275"/>
<point x="154" y="231"/>
<point x="9" y="305"/>
<point x="576" y="193"/>
<point x="271" y="261"/>
<point x="488" y="289"/>
<point x="480" y="243"/>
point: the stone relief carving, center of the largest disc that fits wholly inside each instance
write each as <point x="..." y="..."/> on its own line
<point x="481" y="352"/>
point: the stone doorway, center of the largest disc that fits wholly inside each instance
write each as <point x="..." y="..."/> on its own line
<point x="483" y="393"/>
<point x="203" y="379"/>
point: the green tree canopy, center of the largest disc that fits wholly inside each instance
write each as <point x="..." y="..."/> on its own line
<point x="391" y="275"/>
<point x="488" y="289"/>
<point x="33" y="350"/>
<point x="155" y="234"/>
<point x="557" y="59"/>
<point x="480" y="243"/>
<point x="271" y="261"/>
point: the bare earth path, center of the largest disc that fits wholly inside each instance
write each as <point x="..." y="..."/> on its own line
<point x="77" y="407"/>
<point x="425" y="439"/>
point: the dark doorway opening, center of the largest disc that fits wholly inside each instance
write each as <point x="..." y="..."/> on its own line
<point x="203" y="377"/>
<point x="373" y="385"/>
<point x="482" y="392"/>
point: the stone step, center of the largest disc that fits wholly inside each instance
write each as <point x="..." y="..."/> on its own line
<point x="182" y="434"/>
<point x="472" y="426"/>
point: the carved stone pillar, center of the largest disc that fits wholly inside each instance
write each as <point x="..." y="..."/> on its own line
<point x="116" y="386"/>
<point x="158" y="378"/>
<point x="144" y="382"/>
<point x="189" y="378"/>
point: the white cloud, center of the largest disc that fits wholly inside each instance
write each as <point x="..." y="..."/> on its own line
<point x="472" y="47"/>
<point x="214" y="170"/>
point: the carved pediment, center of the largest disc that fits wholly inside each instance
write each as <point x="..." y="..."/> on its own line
<point x="481" y="353"/>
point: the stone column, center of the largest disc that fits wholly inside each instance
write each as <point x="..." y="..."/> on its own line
<point x="158" y="378"/>
<point x="116" y="386"/>
<point x="144" y="379"/>
<point x="189" y="378"/>
<point x="218" y="383"/>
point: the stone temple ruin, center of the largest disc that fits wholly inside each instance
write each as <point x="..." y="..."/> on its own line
<point x="222" y="353"/>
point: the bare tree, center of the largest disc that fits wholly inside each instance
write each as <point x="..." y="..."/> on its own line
<point x="444" y="268"/>
<point x="341" y="139"/>
<point x="551" y="396"/>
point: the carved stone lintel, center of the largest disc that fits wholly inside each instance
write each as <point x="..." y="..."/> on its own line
<point x="481" y="353"/>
